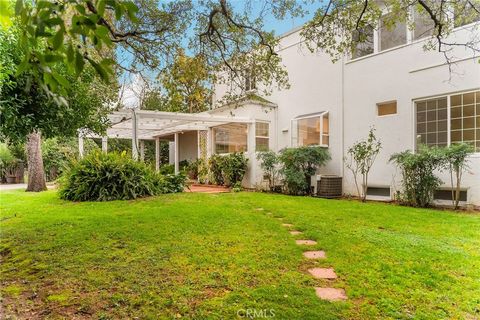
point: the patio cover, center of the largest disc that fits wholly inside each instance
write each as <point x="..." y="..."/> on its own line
<point x="141" y="125"/>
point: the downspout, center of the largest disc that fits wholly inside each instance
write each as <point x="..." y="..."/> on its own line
<point x="343" y="119"/>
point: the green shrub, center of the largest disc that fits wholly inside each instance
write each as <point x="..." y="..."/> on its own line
<point x="167" y="169"/>
<point x="215" y="167"/>
<point x="234" y="166"/>
<point x="299" y="165"/>
<point x="113" y="176"/>
<point x="419" y="181"/>
<point x="270" y="166"/>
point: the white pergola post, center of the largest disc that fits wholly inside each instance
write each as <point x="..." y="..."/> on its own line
<point x="177" y="167"/>
<point x="80" y="145"/>
<point x="142" y="150"/>
<point x="104" y="144"/>
<point x="157" y="153"/>
<point x="134" y="136"/>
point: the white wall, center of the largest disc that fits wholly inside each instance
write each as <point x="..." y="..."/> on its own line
<point x="350" y="90"/>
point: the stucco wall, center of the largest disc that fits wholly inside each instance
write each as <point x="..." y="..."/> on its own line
<point x="350" y="90"/>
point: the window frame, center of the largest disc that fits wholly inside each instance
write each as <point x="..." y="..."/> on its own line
<point x="378" y="104"/>
<point x="317" y="115"/>
<point x="475" y="154"/>
<point x="262" y="137"/>
<point x="214" y="144"/>
<point x="410" y="35"/>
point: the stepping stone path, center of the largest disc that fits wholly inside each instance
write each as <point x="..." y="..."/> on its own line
<point x="314" y="254"/>
<point x="323" y="273"/>
<point x="306" y="242"/>
<point x="329" y="294"/>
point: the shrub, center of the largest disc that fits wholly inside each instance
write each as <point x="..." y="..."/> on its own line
<point x="270" y="166"/>
<point x="234" y="166"/>
<point x="419" y="181"/>
<point x="362" y="156"/>
<point x="215" y="167"/>
<point x="301" y="162"/>
<point x="167" y="169"/>
<point x="456" y="162"/>
<point x="113" y="176"/>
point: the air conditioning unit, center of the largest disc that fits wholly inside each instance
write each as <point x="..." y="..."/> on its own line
<point x="329" y="186"/>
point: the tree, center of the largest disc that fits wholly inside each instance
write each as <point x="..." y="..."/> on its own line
<point x="362" y="157"/>
<point x="29" y="112"/>
<point x="456" y="162"/>
<point x="186" y="85"/>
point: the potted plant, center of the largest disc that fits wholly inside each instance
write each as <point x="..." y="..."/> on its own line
<point x="11" y="171"/>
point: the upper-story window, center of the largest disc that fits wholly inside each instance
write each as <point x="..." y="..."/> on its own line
<point x="389" y="35"/>
<point x="311" y="130"/>
<point x="230" y="138"/>
<point x="462" y="111"/>
<point x="364" y="42"/>
<point x="423" y="24"/>
<point x="465" y="13"/>
<point x="250" y="82"/>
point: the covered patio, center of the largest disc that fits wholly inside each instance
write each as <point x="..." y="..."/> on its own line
<point x="193" y="131"/>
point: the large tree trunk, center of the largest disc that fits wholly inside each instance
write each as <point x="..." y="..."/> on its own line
<point x="36" y="172"/>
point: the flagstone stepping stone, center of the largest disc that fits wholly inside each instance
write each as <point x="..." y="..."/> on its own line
<point x="295" y="232"/>
<point x="314" y="254"/>
<point x="259" y="209"/>
<point x="288" y="225"/>
<point x="331" y="294"/>
<point x="306" y="242"/>
<point x="323" y="273"/>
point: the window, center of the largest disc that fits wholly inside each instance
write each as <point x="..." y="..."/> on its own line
<point x="423" y="25"/>
<point x="465" y="13"/>
<point x="363" y="42"/>
<point x="311" y="130"/>
<point x="230" y="138"/>
<point x="250" y="81"/>
<point x="432" y="122"/>
<point x="433" y="116"/>
<point x="386" y="108"/>
<point x="465" y="118"/>
<point x="391" y="36"/>
<point x="261" y="136"/>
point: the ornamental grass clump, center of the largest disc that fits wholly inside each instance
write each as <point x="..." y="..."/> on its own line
<point x="114" y="176"/>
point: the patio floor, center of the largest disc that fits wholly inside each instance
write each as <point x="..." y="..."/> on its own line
<point x="203" y="188"/>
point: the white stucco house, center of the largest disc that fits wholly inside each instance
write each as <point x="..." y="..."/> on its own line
<point x="408" y="94"/>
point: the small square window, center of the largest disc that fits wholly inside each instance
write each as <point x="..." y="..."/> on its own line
<point x="387" y="108"/>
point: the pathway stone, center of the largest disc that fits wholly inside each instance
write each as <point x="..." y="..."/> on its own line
<point x="314" y="254"/>
<point x="306" y="242"/>
<point x="295" y="232"/>
<point x="288" y="225"/>
<point x="259" y="209"/>
<point x="331" y="294"/>
<point x="323" y="273"/>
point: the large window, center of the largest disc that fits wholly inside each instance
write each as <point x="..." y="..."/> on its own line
<point x="261" y="136"/>
<point x="423" y="24"/>
<point x="312" y="130"/>
<point x="363" y="42"/>
<point x="462" y="111"/>
<point x="230" y="138"/>
<point x="391" y="35"/>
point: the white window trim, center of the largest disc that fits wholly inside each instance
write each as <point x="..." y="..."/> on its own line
<point x="264" y="137"/>
<point x="319" y="115"/>
<point x="448" y="95"/>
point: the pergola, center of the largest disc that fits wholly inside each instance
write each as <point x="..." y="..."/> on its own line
<point x="141" y="125"/>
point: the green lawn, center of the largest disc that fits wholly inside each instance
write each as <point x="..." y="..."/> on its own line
<point x="207" y="256"/>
